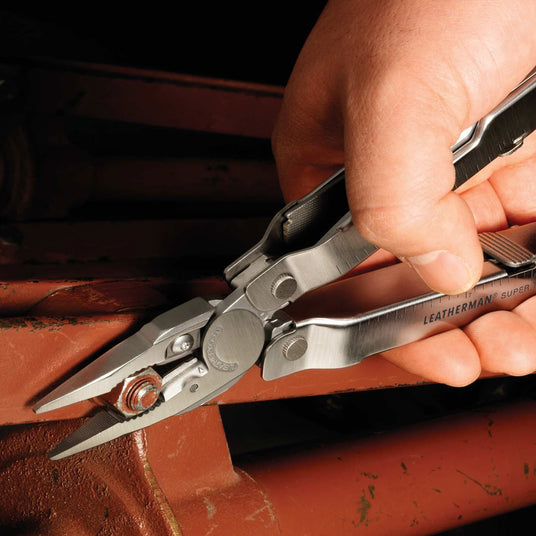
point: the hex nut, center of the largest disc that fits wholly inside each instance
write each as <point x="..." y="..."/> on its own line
<point x="135" y="394"/>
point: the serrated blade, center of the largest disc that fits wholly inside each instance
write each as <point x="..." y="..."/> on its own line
<point x="106" y="425"/>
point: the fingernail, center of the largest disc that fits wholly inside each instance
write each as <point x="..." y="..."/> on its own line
<point x="442" y="271"/>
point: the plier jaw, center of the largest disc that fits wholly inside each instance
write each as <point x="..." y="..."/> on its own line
<point x="149" y="376"/>
<point x="171" y="336"/>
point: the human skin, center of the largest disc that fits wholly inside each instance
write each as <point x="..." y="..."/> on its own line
<point x="385" y="88"/>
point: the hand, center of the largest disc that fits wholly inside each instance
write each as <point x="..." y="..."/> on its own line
<point x="385" y="88"/>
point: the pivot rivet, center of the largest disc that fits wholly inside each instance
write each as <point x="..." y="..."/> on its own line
<point x="284" y="287"/>
<point x="295" y="348"/>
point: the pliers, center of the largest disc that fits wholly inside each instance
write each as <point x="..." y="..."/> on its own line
<point x="190" y="354"/>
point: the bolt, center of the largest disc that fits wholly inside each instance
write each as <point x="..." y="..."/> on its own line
<point x="284" y="287"/>
<point x="135" y="394"/>
<point x="295" y="348"/>
<point x="142" y="395"/>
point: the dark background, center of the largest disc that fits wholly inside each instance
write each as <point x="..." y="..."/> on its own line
<point x="255" y="41"/>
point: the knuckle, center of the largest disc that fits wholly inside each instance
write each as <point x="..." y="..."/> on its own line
<point x="390" y="226"/>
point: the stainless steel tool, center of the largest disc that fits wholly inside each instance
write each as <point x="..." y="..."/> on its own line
<point x="190" y="354"/>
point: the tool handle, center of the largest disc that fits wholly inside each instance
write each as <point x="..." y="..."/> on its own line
<point x="311" y="242"/>
<point x="499" y="133"/>
<point x="396" y="308"/>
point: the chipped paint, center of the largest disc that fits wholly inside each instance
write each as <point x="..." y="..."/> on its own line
<point x="43" y="323"/>
<point x="363" y="509"/>
<point x="211" y="508"/>
<point x="161" y="500"/>
<point x="106" y="491"/>
<point x="488" y="488"/>
<point x="267" y="507"/>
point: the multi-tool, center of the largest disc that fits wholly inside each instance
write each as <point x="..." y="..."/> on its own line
<point x="190" y="354"/>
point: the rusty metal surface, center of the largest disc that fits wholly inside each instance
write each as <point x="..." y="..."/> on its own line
<point x="148" y="97"/>
<point x="39" y="352"/>
<point x="87" y="495"/>
<point x="207" y="493"/>
<point x="85" y="241"/>
<point x="418" y="481"/>
<point x="178" y="478"/>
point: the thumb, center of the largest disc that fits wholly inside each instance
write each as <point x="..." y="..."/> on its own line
<point x="400" y="181"/>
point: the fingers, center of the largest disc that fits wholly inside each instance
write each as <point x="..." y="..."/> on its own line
<point x="515" y="186"/>
<point x="449" y="358"/>
<point x="485" y="204"/>
<point x="505" y="341"/>
<point x="409" y="208"/>
<point x="501" y="342"/>
<point x="378" y="80"/>
<point x="505" y="192"/>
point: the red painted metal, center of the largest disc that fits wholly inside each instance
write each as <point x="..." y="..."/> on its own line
<point x="149" y="97"/>
<point x="177" y="478"/>
<point x="110" y="491"/>
<point x="207" y="493"/>
<point x="182" y="181"/>
<point x="113" y="308"/>
<point x="87" y="241"/>
<point x="49" y="347"/>
<point x="72" y="340"/>
<point x="418" y="481"/>
<point x="60" y="312"/>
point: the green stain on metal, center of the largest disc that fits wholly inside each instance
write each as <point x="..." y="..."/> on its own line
<point x="363" y="507"/>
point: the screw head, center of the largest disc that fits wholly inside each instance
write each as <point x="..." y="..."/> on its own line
<point x="295" y="348"/>
<point x="182" y="344"/>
